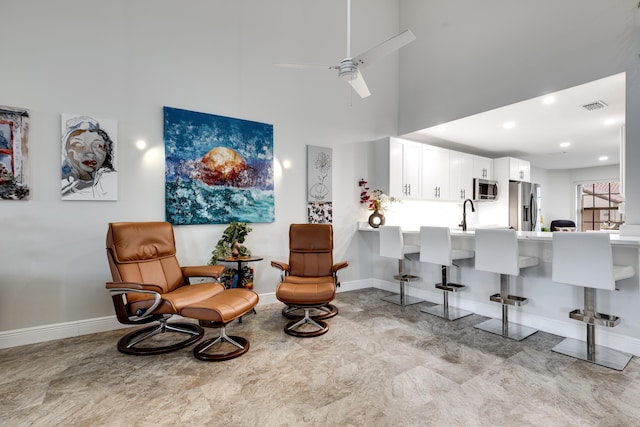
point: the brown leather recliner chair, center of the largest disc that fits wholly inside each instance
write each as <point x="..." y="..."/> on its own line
<point x="150" y="286"/>
<point x="310" y="278"/>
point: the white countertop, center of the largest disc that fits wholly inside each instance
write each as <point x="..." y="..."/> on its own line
<point x="616" y="239"/>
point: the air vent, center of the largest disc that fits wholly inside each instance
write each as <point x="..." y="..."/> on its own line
<point x="595" y="105"/>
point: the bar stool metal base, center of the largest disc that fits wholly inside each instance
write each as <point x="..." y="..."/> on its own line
<point x="446" y="312"/>
<point x="402" y="299"/>
<point x="507" y="330"/>
<point x="603" y="356"/>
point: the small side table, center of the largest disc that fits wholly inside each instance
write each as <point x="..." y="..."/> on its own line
<point x="240" y="260"/>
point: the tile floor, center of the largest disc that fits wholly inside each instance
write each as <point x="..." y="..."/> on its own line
<point x="379" y="365"/>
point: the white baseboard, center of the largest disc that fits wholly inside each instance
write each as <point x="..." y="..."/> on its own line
<point x="574" y="330"/>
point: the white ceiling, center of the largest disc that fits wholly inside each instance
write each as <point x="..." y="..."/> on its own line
<point x="540" y="128"/>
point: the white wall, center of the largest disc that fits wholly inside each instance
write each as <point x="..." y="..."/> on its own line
<point x="125" y="60"/>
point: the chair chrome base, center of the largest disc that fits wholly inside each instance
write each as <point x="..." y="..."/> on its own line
<point x="446" y="312"/>
<point x="603" y="356"/>
<point x="242" y="345"/>
<point x="507" y="330"/>
<point x="291" y="328"/>
<point x="325" y="312"/>
<point x="127" y="344"/>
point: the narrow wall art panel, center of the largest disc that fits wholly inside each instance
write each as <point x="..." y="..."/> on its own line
<point x="89" y="158"/>
<point x="218" y="169"/>
<point x="319" y="184"/>
<point x="14" y="153"/>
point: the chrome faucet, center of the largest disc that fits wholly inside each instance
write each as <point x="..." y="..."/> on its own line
<point x="463" y="224"/>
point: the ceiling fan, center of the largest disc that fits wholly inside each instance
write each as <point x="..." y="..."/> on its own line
<point x="349" y="68"/>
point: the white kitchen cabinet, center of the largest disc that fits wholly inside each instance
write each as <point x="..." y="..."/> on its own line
<point x="435" y="173"/>
<point x="519" y="170"/>
<point x="482" y="167"/>
<point x="405" y="164"/>
<point x="460" y="176"/>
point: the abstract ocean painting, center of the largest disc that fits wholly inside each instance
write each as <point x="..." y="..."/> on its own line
<point x="218" y="169"/>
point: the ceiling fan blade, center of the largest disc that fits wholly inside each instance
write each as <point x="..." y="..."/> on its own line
<point x="308" y="66"/>
<point x="384" y="48"/>
<point x="359" y="85"/>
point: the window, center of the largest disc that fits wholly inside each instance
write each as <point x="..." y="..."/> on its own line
<point x="599" y="203"/>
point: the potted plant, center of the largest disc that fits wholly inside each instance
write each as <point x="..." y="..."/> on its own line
<point x="230" y="244"/>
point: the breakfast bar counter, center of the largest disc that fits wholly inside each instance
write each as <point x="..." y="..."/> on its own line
<point x="548" y="302"/>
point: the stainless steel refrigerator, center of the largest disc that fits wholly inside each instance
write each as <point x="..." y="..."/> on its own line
<point x="524" y="198"/>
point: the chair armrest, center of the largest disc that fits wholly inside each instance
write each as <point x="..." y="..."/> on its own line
<point x="280" y="265"/>
<point x="214" y="271"/>
<point x="133" y="287"/>
<point x="339" y="266"/>
<point x="120" y="288"/>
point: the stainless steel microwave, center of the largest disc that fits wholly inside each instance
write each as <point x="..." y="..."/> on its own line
<point x="485" y="189"/>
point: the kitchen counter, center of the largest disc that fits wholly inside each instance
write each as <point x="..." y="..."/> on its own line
<point x="549" y="302"/>
<point x="616" y="239"/>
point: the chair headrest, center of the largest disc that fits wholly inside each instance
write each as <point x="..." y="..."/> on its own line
<point x="140" y="241"/>
<point x="311" y="238"/>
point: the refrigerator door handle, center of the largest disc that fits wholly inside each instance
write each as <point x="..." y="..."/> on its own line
<point x="534" y="212"/>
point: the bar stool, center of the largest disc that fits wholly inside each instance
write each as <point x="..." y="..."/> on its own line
<point x="585" y="259"/>
<point x="392" y="246"/>
<point x="497" y="252"/>
<point x="435" y="247"/>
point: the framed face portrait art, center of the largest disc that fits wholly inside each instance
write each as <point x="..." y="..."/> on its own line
<point x="88" y="147"/>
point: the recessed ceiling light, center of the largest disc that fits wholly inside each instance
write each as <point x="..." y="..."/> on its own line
<point x="603" y="158"/>
<point x="509" y="125"/>
<point x="565" y="144"/>
<point x="286" y="164"/>
<point x="549" y="100"/>
<point x="141" y="144"/>
<point x="609" y="122"/>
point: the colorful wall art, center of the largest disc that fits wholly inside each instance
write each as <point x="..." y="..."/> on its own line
<point x="88" y="158"/>
<point x="14" y="153"/>
<point x="218" y="169"/>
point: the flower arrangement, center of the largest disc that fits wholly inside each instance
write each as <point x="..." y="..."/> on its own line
<point x="374" y="199"/>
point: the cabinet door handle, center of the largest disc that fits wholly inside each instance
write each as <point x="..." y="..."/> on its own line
<point x="409" y="192"/>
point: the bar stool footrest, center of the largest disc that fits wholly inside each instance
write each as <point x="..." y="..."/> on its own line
<point x="510" y="300"/>
<point x="450" y="287"/>
<point x="405" y="277"/>
<point x="600" y="319"/>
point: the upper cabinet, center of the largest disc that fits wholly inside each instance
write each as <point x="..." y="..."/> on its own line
<point x="519" y="170"/>
<point x="460" y="176"/>
<point x="419" y="171"/>
<point x="405" y="168"/>
<point x="435" y="173"/>
<point x="482" y="167"/>
<point x="511" y="169"/>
